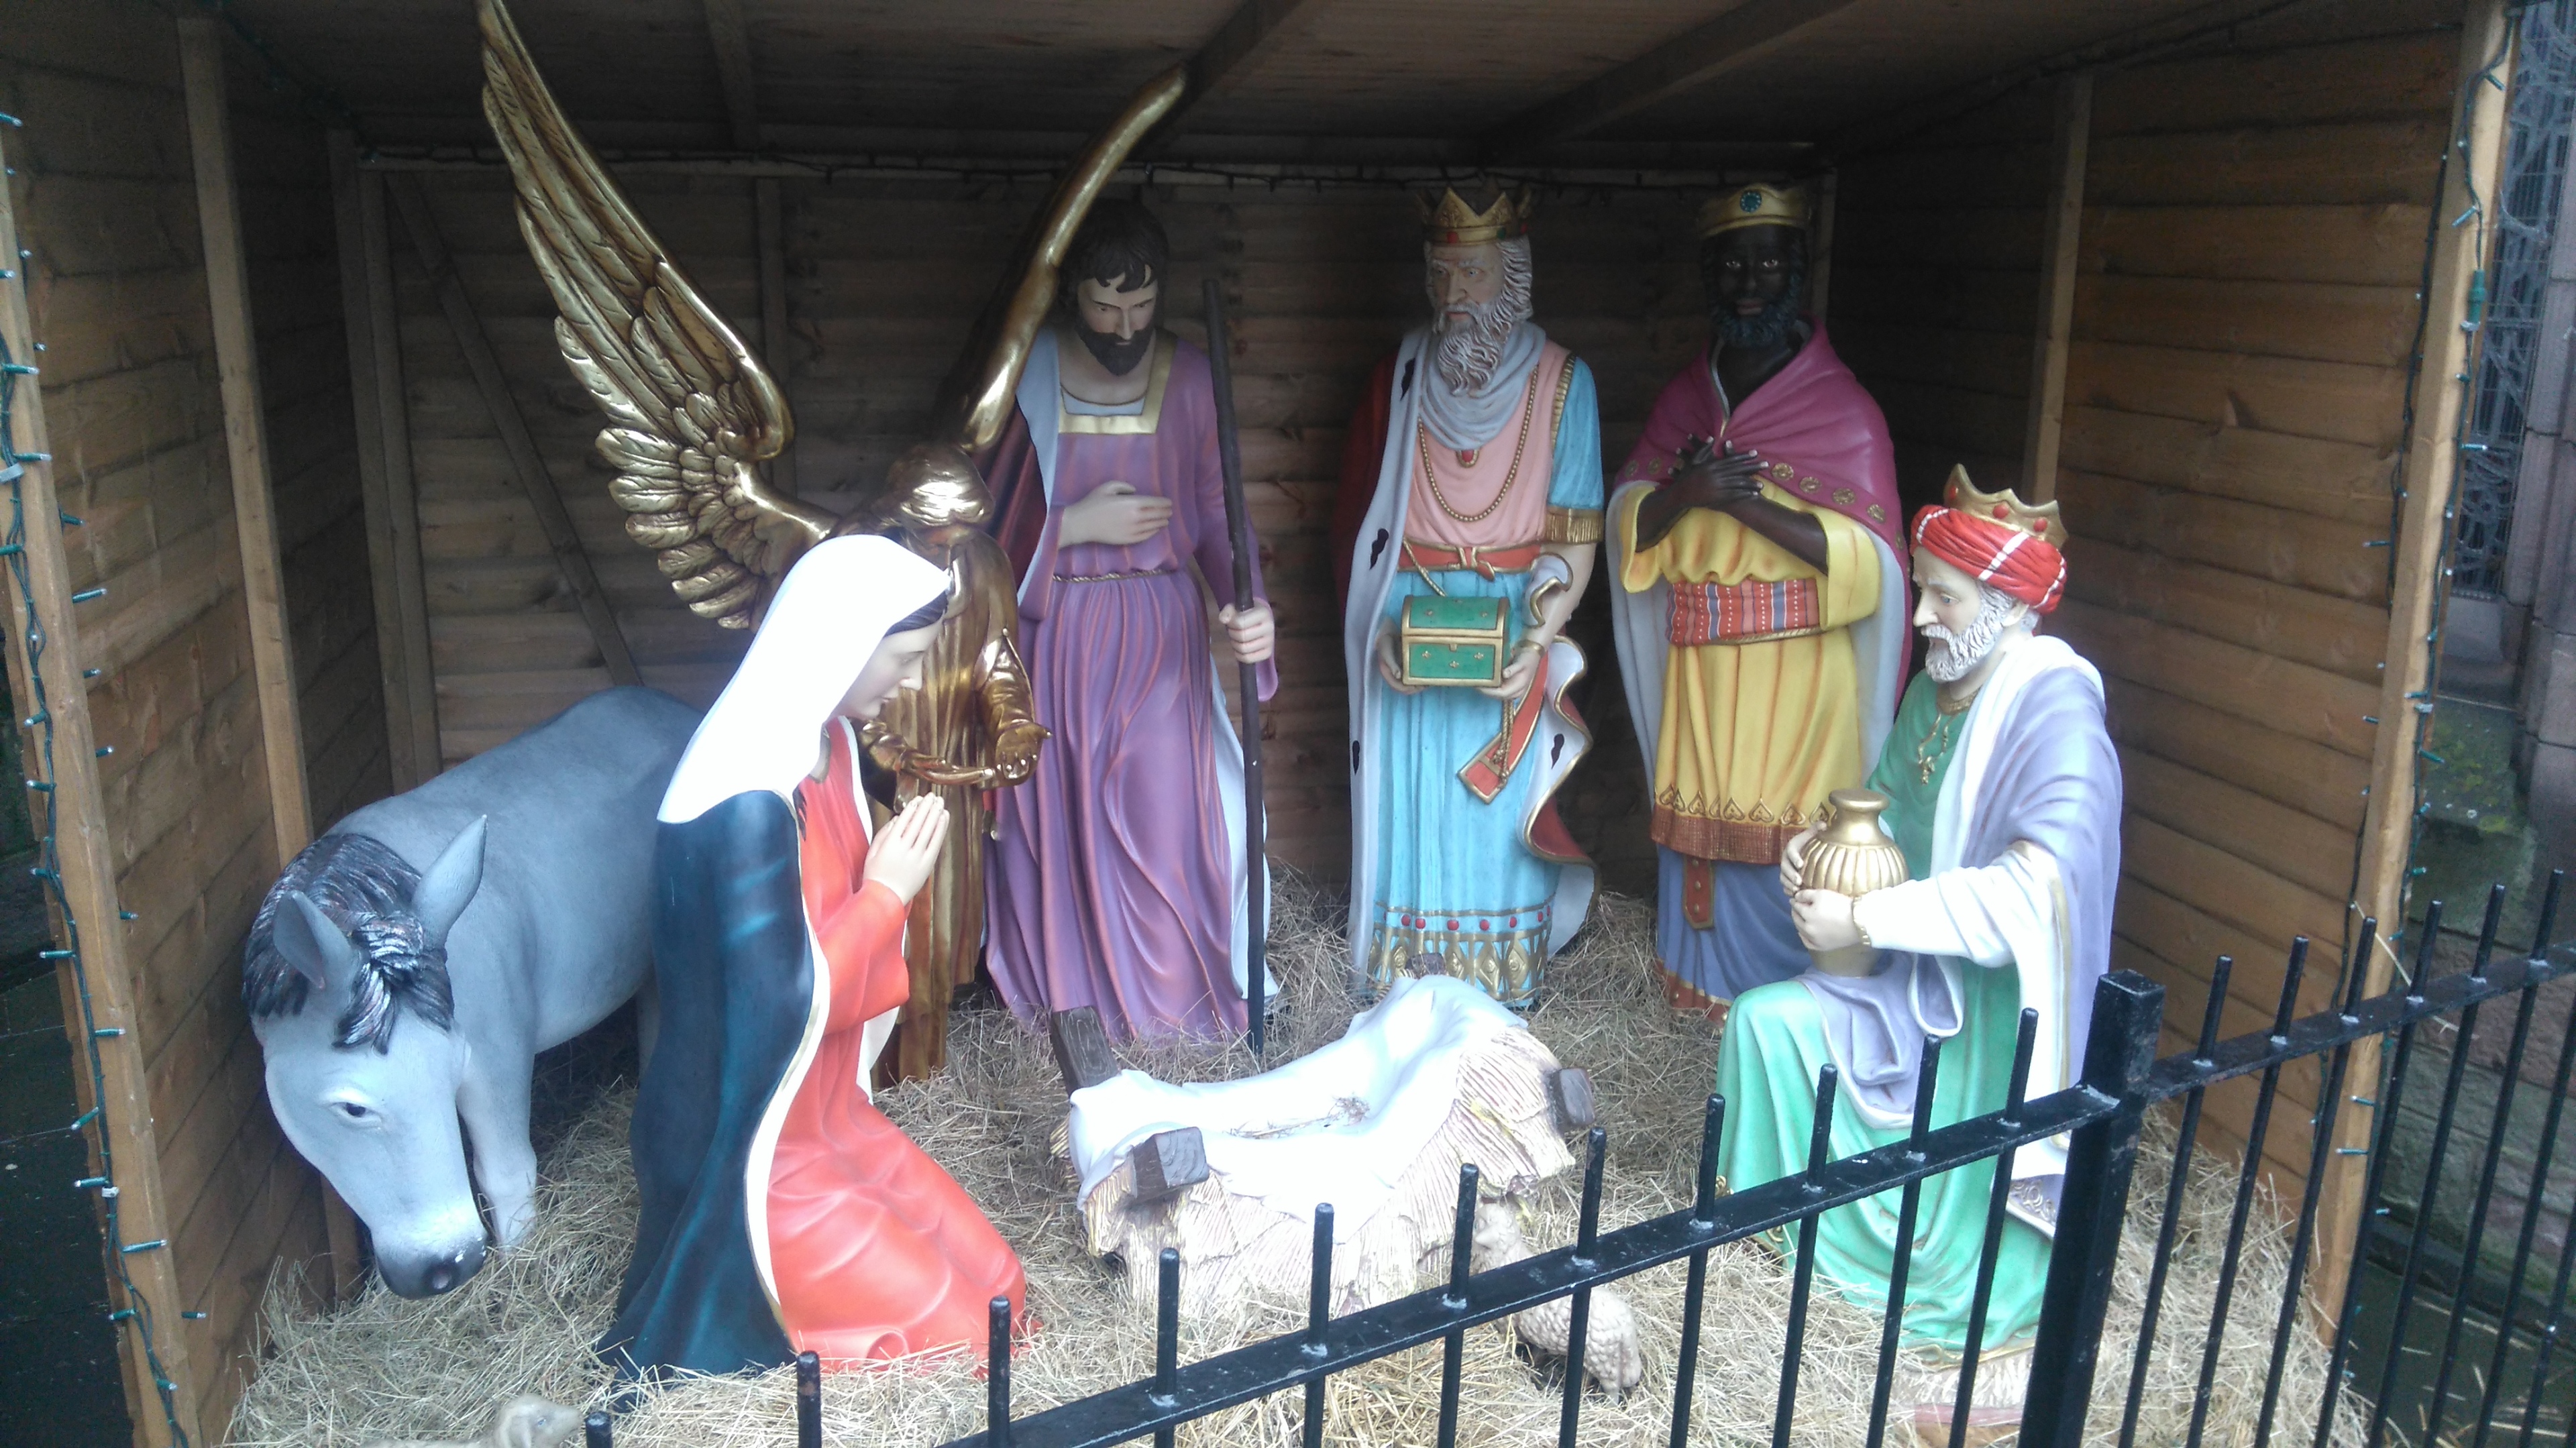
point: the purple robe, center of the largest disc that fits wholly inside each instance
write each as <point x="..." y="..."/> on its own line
<point x="1117" y="867"/>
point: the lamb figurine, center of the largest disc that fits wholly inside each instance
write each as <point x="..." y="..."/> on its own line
<point x="1613" y="1357"/>
<point x="526" y="1421"/>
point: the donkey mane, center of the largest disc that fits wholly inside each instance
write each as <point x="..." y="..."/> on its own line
<point x="366" y="889"/>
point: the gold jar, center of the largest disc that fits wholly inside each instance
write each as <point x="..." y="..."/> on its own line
<point x="1852" y="855"/>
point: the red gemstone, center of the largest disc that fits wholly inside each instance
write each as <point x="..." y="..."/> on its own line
<point x="1484" y="925"/>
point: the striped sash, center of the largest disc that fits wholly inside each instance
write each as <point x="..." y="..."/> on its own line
<point x="1743" y="613"/>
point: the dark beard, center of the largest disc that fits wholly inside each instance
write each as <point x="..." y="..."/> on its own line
<point x="1119" y="357"/>
<point x="1777" y="322"/>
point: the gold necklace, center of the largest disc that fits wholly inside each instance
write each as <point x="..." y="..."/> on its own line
<point x="1935" y="743"/>
<point x="1511" y="475"/>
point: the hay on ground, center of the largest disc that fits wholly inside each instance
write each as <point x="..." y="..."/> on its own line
<point x="385" y="1367"/>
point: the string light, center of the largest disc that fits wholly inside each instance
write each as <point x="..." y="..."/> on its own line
<point x="2474" y="215"/>
<point x="137" y="1315"/>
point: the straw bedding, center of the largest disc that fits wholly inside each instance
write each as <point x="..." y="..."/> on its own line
<point x="383" y="1367"/>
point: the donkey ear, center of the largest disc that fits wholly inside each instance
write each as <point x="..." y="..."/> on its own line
<point x="310" y="942"/>
<point x="449" y="884"/>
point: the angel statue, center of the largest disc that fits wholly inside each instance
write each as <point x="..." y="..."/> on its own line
<point x="693" y="415"/>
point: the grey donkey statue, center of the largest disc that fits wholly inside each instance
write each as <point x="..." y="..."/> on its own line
<point x="406" y="969"/>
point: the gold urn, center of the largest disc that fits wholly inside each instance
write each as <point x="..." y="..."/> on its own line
<point x="1852" y="855"/>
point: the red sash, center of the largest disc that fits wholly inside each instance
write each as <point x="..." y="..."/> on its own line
<point x="1491" y="769"/>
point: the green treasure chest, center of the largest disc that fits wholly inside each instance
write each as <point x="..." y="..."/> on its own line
<point x="1454" y="640"/>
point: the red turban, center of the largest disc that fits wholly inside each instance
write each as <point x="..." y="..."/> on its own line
<point x="2017" y="559"/>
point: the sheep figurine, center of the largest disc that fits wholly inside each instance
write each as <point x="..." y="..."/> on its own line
<point x="1613" y="1357"/>
<point x="526" y="1421"/>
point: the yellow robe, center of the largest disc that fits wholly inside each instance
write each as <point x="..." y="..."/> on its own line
<point x="1754" y="735"/>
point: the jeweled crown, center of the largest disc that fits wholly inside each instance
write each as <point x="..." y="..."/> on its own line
<point x="1454" y="223"/>
<point x="1753" y="205"/>
<point x="2005" y="507"/>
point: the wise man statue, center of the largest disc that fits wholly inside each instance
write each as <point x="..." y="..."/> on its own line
<point x="1760" y="604"/>
<point x="1117" y="880"/>
<point x="2004" y="793"/>
<point x="1472" y="471"/>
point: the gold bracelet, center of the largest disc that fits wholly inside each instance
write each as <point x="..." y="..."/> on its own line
<point x="1859" y="929"/>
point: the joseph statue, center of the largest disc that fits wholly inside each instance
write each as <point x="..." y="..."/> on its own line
<point x="1119" y="874"/>
<point x="1757" y="541"/>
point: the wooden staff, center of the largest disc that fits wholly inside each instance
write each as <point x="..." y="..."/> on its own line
<point x="1238" y="523"/>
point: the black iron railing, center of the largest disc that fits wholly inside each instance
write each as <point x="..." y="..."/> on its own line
<point x="2103" y="1115"/>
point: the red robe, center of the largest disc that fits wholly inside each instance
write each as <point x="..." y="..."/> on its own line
<point x="876" y="1251"/>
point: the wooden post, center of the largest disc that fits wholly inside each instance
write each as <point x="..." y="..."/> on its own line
<point x="357" y="325"/>
<point x="1820" y="265"/>
<point x="210" y="139"/>
<point x="88" y="871"/>
<point x="2057" y="290"/>
<point x="770" y="224"/>
<point x="384" y="450"/>
<point x="2431" y="475"/>
<point x="402" y="504"/>
<point x="513" y="427"/>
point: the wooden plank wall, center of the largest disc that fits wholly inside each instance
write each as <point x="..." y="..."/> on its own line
<point x="2253" y="235"/>
<point x="1936" y="288"/>
<point x="882" y="278"/>
<point x="117" y="285"/>
<point x="2253" y="242"/>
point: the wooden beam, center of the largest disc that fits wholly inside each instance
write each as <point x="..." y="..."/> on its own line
<point x="1744" y="34"/>
<point x="1254" y="29"/>
<point x="2431" y="474"/>
<point x="521" y="445"/>
<point x="417" y="713"/>
<point x="769" y="228"/>
<point x="2128" y="47"/>
<point x="2057" y="265"/>
<point x="210" y="140"/>
<point x="732" y="41"/>
<point x="86" y="865"/>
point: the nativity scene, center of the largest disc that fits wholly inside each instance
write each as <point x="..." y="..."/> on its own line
<point x="1303" y="800"/>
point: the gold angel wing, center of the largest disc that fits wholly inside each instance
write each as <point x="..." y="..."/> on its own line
<point x="693" y="413"/>
<point x="977" y="399"/>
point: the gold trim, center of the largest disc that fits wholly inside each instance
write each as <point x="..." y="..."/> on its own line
<point x="1134" y="424"/>
<point x="1572" y="525"/>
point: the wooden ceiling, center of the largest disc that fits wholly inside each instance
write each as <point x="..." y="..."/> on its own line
<point x="1588" y="81"/>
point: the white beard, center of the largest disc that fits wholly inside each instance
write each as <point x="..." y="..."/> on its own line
<point x="1469" y="351"/>
<point x="1953" y="655"/>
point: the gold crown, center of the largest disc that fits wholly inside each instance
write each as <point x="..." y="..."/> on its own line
<point x="1754" y="205"/>
<point x="2005" y="508"/>
<point x="1454" y="223"/>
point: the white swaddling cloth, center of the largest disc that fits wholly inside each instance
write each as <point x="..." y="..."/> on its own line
<point x="1377" y="1124"/>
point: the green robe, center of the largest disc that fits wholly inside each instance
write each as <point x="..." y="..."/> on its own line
<point x="1766" y="1070"/>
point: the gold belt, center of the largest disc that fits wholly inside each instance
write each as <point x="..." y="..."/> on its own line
<point x="1115" y="577"/>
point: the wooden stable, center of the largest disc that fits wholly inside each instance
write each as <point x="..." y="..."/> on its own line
<point x="2169" y="260"/>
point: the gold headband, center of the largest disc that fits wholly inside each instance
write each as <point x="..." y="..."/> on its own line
<point x="1754" y="205"/>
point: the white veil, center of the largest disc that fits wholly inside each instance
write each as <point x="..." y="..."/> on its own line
<point x="828" y="616"/>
